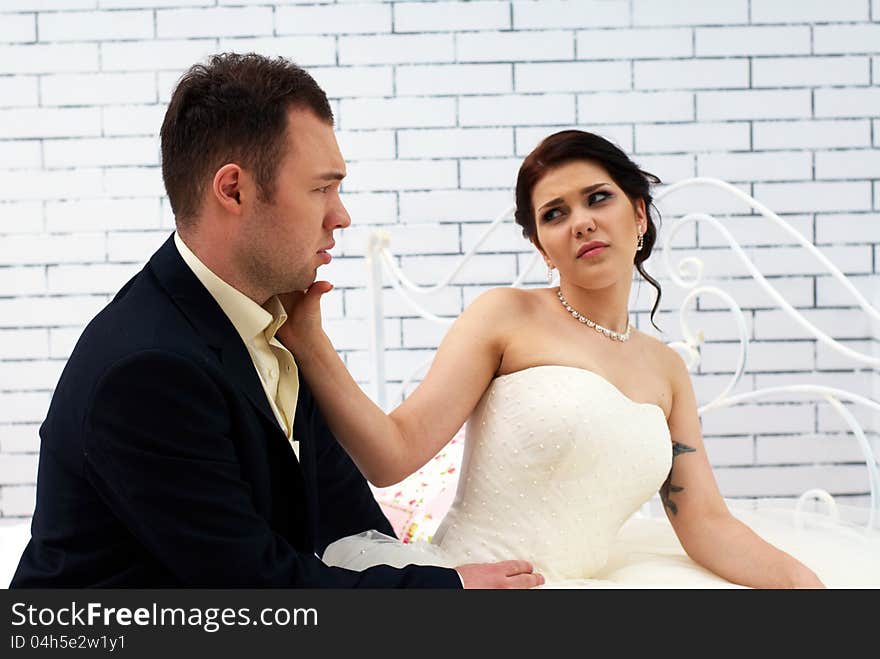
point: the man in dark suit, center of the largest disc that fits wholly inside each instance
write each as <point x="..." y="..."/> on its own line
<point x="181" y="449"/>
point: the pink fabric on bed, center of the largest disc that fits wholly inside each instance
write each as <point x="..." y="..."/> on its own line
<point x="416" y="505"/>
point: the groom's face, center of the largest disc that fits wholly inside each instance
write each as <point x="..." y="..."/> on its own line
<point x="291" y="235"/>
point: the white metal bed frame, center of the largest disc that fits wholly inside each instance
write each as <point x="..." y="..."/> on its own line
<point x="687" y="274"/>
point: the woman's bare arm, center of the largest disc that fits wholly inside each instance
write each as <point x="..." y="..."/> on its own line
<point x="710" y="535"/>
<point x="387" y="448"/>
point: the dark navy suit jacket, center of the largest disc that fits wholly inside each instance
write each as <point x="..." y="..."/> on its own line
<point x="162" y="464"/>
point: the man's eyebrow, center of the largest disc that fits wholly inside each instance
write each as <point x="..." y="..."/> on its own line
<point x="331" y="176"/>
<point x="559" y="200"/>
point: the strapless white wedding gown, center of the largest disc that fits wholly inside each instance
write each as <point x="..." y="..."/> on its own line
<point x="557" y="462"/>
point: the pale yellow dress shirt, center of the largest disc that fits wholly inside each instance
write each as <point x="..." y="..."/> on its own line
<point x="257" y="326"/>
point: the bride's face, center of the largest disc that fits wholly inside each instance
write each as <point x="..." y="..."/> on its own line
<point x="586" y="226"/>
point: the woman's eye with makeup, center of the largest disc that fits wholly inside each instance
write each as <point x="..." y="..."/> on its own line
<point x="598" y="197"/>
<point x="551" y="215"/>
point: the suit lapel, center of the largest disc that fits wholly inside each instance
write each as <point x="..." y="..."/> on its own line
<point x="206" y="316"/>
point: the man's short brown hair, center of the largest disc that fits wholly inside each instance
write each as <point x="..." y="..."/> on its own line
<point x="232" y="109"/>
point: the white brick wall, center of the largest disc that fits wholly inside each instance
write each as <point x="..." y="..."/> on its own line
<point x="810" y="71"/>
<point x="18" y="91"/>
<point x="692" y="74"/>
<point x="436" y="104"/>
<point x="661" y="12"/>
<point x="847" y="164"/>
<point x="635" y="107"/>
<point x="489" y="173"/>
<point x="396" y="113"/>
<point x="306" y="50"/>
<point x="572" y="76"/>
<point x="691" y="137"/>
<point x="21" y="438"/>
<point x="21" y="154"/>
<point x="333" y="19"/>
<point x="16" y="281"/>
<point x="417" y="80"/>
<point x="390" y="49"/>
<point x="18" y="27"/>
<point x="855" y="102"/>
<point x="518" y="110"/>
<point x="808" y="11"/>
<point x="567" y="13"/>
<point x="815" y="196"/>
<point x="48" y="58"/>
<point x="734" y="41"/>
<point x="401" y="174"/>
<point x="634" y="43"/>
<point x="763" y="104"/>
<point x="452" y="205"/>
<point x="452" y="142"/>
<point x="810" y="134"/>
<point x="49" y="122"/>
<point x="514" y="46"/>
<point x="30" y="5"/>
<point x="768" y="166"/>
<point x="845" y="38"/>
<point x="95" y="25"/>
<point x="450" y="16"/>
<point x="154" y="55"/>
<point x="98" y="89"/>
<point x="219" y="22"/>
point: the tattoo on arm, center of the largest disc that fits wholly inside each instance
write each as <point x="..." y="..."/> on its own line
<point x="668" y="489"/>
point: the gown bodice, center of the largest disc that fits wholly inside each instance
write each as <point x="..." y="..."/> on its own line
<point x="556" y="459"/>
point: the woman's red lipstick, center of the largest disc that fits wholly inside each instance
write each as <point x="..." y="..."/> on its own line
<point x="592" y="248"/>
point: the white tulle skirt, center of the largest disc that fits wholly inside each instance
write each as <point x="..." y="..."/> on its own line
<point x="839" y="548"/>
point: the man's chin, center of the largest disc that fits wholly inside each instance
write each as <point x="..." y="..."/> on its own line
<point x="304" y="283"/>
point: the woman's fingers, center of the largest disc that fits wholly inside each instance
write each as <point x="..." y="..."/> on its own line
<point x="319" y="288"/>
<point x="303" y="315"/>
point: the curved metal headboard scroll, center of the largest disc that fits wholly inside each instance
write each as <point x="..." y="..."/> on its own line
<point x="687" y="275"/>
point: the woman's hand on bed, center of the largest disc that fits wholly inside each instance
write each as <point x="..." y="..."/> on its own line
<point x="303" y="315"/>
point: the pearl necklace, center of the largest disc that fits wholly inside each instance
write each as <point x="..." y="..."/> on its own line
<point x="611" y="334"/>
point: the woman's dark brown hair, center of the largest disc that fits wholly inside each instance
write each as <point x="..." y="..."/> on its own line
<point x="232" y="109"/>
<point x="572" y="145"/>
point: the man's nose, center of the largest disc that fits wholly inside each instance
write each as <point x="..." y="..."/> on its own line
<point x="338" y="217"/>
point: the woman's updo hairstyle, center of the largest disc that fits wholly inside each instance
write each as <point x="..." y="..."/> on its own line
<point x="573" y="145"/>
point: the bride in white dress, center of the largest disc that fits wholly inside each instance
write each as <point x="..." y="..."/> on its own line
<point x="574" y="418"/>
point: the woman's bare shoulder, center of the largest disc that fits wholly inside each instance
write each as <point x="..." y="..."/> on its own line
<point x="667" y="359"/>
<point x="506" y="300"/>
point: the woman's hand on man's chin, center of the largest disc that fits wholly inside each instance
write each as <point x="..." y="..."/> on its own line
<point x="303" y="309"/>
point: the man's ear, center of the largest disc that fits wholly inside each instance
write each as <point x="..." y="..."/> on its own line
<point x="227" y="187"/>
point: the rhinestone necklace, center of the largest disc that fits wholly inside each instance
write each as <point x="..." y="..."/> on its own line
<point x="611" y="334"/>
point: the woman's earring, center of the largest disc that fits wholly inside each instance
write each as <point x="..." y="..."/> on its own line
<point x="549" y="274"/>
<point x="641" y="242"/>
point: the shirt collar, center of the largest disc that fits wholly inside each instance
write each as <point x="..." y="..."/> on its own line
<point x="249" y="318"/>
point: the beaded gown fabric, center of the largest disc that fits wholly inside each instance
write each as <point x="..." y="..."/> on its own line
<point x="557" y="460"/>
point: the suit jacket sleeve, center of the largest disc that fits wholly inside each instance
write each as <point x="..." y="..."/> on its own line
<point x="346" y="503"/>
<point x="159" y="451"/>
